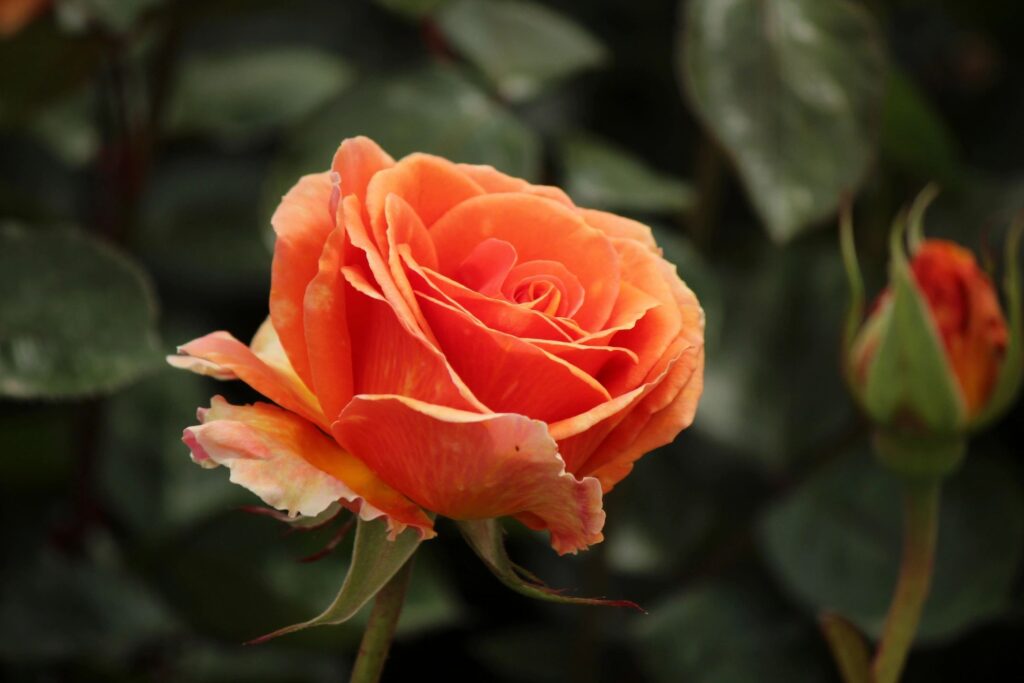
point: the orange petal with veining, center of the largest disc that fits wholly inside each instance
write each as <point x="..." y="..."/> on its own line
<point x="460" y="464"/>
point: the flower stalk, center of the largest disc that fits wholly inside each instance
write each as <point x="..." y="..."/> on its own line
<point x="920" y="531"/>
<point x="380" y="629"/>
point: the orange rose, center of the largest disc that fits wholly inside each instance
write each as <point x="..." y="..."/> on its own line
<point x="968" y="319"/>
<point x="446" y="338"/>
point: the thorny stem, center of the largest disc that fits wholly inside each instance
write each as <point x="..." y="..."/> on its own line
<point x="387" y="606"/>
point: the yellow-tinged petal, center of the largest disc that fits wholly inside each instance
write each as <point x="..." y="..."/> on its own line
<point x="293" y="466"/>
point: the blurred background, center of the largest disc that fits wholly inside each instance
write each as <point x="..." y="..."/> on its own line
<point x="143" y="146"/>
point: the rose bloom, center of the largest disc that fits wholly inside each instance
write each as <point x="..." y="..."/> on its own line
<point x="967" y="316"/>
<point x="446" y="338"/>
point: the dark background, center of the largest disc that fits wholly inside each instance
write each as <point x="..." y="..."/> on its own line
<point x="143" y="146"/>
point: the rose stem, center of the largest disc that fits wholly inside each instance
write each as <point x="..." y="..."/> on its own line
<point x="920" y="530"/>
<point x="387" y="606"/>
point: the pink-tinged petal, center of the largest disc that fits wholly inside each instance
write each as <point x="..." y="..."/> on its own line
<point x="236" y="360"/>
<point x="302" y="222"/>
<point x="293" y="466"/>
<point x="357" y="160"/>
<point x="325" y="320"/>
<point x="387" y="359"/>
<point x="430" y="185"/>
<point x="539" y="229"/>
<point x="200" y="367"/>
<point x="508" y="374"/>
<point x="620" y="227"/>
<point x="461" y="464"/>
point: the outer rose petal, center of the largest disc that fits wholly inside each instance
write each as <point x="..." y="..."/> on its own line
<point x="293" y="466"/>
<point x="302" y="223"/>
<point x="618" y="226"/>
<point x="357" y="160"/>
<point x="234" y="359"/>
<point x="493" y="180"/>
<point x="470" y="466"/>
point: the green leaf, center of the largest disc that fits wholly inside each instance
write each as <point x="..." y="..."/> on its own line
<point x="910" y="376"/>
<point x="434" y="110"/>
<point x="835" y="544"/>
<point x="601" y="176"/>
<point x="486" y="538"/>
<point x="412" y="8"/>
<point x="778" y="391"/>
<point x="793" y="90"/>
<point x="77" y="317"/>
<point x="117" y="15"/>
<point x="199" y="224"/>
<point x="52" y="607"/>
<point x="848" y="648"/>
<point x="521" y="47"/>
<point x="375" y="559"/>
<point x="728" y="633"/>
<point x="238" y="96"/>
<point x="914" y="138"/>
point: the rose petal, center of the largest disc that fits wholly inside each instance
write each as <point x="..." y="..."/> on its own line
<point x="387" y="359"/>
<point x="485" y="269"/>
<point x="470" y="466"/>
<point x="539" y="229"/>
<point x="328" y="342"/>
<point x="293" y="466"/>
<point x="589" y="359"/>
<point x="507" y="373"/>
<point x="302" y="222"/>
<point x="235" y="359"/>
<point x="357" y="160"/>
<point x="621" y="227"/>
<point x="430" y="185"/>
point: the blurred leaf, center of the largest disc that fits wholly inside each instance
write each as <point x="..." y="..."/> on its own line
<point x="207" y="663"/>
<point x="412" y="8"/>
<point x="237" y="96"/>
<point x="200" y="225"/>
<point x="525" y="653"/>
<point x="519" y="46"/>
<point x="602" y="176"/>
<point x="39" y="65"/>
<point x="725" y="633"/>
<point x="434" y="110"/>
<point x="68" y="128"/>
<point x="77" y="317"/>
<point x="35" y="185"/>
<point x="116" y="15"/>
<point x="145" y="475"/>
<point x="53" y="607"/>
<point x="914" y="137"/>
<point x="793" y="91"/>
<point x="778" y="392"/>
<point x="835" y="544"/>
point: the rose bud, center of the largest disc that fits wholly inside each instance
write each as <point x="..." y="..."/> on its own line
<point x="446" y="339"/>
<point x="934" y="359"/>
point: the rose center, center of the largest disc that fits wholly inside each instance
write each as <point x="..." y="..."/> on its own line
<point x="492" y="269"/>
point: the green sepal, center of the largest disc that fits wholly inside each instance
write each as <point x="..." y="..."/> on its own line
<point x="1012" y="371"/>
<point x="919" y="456"/>
<point x="855" y="309"/>
<point x="375" y="559"/>
<point x="486" y="538"/>
<point x="915" y="217"/>
<point x="910" y="383"/>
